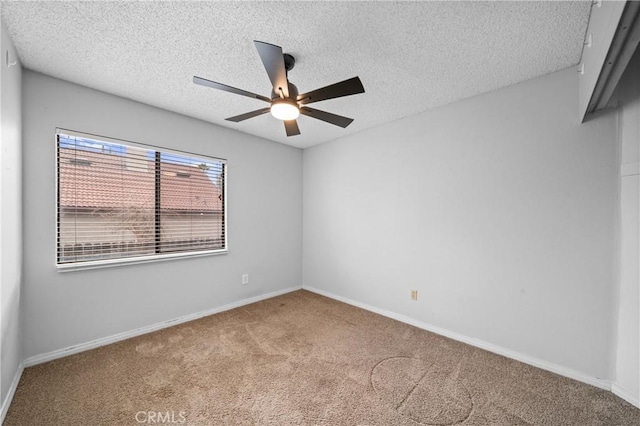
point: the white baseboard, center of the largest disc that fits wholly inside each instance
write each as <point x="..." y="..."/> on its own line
<point x="623" y="393"/>
<point x="554" y="368"/>
<point x="60" y="353"/>
<point x="12" y="391"/>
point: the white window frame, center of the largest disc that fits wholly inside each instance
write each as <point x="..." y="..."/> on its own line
<point x="93" y="264"/>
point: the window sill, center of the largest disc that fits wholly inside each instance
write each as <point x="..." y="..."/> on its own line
<point x="109" y="263"/>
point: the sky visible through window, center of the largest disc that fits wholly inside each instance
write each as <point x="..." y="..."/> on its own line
<point x="212" y="170"/>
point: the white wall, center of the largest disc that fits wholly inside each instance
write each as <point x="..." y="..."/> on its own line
<point x="264" y="219"/>
<point x="627" y="348"/>
<point x="10" y="214"/>
<point x="499" y="209"/>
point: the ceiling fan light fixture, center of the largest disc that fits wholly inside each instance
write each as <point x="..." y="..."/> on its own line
<point x="285" y="103"/>
<point x="285" y="110"/>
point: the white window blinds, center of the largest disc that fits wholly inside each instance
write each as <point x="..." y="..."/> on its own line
<point x="118" y="201"/>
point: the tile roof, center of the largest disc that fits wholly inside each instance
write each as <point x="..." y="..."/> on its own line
<point x="94" y="180"/>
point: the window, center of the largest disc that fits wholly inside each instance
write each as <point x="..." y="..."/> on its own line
<point x="120" y="201"/>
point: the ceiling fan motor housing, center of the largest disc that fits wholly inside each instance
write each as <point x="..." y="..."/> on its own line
<point x="289" y="62"/>
<point x="293" y="92"/>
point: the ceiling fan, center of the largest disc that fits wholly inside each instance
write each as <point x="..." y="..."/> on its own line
<point x="285" y="102"/>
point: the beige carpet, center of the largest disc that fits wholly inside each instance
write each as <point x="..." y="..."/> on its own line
<point x="302" y="359"/>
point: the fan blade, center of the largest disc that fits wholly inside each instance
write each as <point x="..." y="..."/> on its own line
<point x="349" y="87"/>
<point x="242" y="117"/>
<point x="291" y="126"/>
<point x="225" y="88"/>
<point x="335" y="119"/>
<point x="273" y="61"/>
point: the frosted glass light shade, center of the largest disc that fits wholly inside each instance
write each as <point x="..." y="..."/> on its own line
<point x="285" y="110"/>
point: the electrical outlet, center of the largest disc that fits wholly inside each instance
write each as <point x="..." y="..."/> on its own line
<point x="414" y="294"/>
<point x="245" y="279"/>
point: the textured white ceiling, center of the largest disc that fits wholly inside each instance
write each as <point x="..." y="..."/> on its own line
<point x="410" y="56"/>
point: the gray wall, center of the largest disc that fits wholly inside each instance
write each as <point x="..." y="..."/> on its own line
<point x="264" y="215"/>
<point x="627" y="348"/>
<point x="499" y="209"/>
<point x="10" y="215"/>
